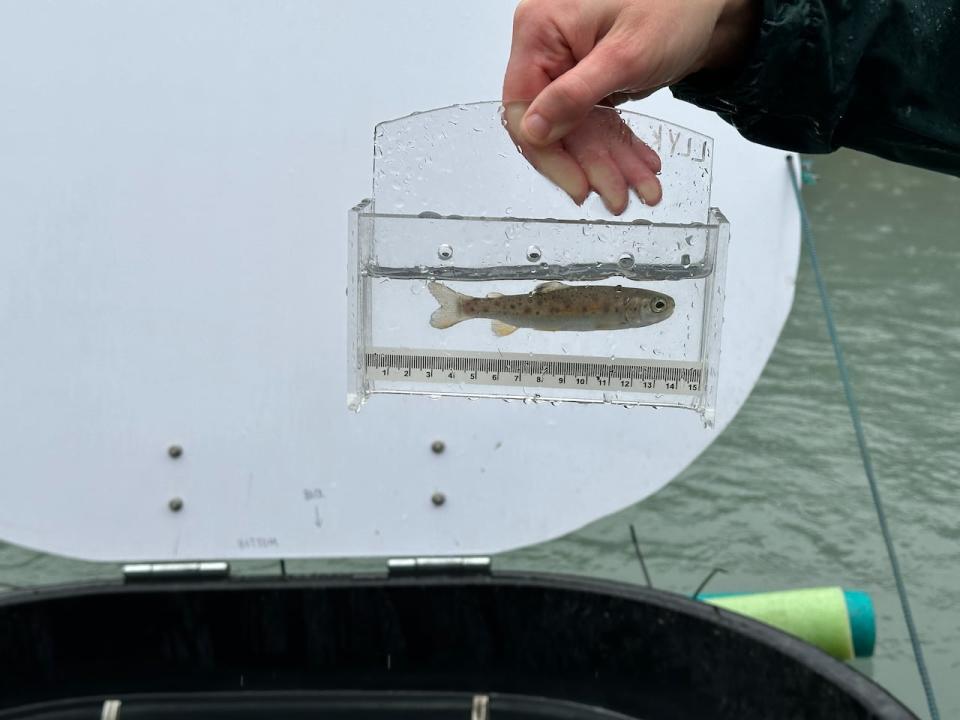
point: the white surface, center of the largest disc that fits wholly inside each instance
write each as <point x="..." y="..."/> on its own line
<point x="174" y="185"/>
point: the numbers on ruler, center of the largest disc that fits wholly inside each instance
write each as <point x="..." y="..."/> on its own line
<point x="583" y="374"/>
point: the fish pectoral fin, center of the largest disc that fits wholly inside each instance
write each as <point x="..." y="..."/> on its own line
<point x="549" y="286"/>
<point x="494" y="295"/>
<point x="501" y="329"/>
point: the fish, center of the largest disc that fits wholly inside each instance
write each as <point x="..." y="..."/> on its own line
<point x="554" y="306"/>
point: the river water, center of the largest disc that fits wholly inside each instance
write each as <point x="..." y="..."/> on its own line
<point x="780" y="500"/>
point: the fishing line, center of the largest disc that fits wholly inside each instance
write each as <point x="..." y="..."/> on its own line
<point x="862" y="444"/>
<point x="636" y="549"/>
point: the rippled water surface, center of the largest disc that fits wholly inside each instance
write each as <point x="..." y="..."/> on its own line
<point x="780" y="500"/>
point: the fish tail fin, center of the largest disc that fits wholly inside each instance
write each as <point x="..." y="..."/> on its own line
<point x="450" y="311"/>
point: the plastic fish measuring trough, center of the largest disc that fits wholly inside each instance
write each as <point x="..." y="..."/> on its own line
<point x="471" y="275"/>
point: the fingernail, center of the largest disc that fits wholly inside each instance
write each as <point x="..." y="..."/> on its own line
<point x="536" y="127"/>
<point x="649" y="192"/>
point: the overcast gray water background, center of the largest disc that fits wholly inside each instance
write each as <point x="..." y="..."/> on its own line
<point x="780" y="500"/>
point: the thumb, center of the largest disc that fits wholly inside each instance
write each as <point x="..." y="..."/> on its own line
<point x="567" y="100"/>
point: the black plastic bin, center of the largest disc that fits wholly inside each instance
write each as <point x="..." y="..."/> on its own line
<point x="500" y="646"/>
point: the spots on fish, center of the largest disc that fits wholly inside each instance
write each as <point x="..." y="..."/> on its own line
<point x="576" y="309"/>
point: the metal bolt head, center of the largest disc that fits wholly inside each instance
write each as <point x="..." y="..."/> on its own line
<point x="445" y="252"/>
<point x="174" y="451"/>
<point x="438" y="446"/>
<point x="533" y="253"/>
<point x="175" y="504"/>
<point x="438" y="498"/>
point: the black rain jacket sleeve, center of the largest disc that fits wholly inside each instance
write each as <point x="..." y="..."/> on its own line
<point x="881" y="76"/>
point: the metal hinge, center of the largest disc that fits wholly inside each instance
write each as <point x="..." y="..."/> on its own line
<point x="110" y="710"/>
<point x="176" y="571"/>
<point x="480" y="708"/>
<point x="479" y="565"/>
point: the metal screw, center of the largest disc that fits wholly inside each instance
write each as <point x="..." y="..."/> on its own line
<point x="445" y="252"/>
<point x="438" y="446"/>
<point x="174" y="451"/>
<point x="175" y="504"/>
<point x="533" y="253"/>
<point x="438" y="498"/>
<point x="626" y="261"/>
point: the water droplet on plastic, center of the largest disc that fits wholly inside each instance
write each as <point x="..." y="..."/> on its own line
<point x="689" y="240"/>
<point x="626" y="261"/>
<point x="685" y="260"/>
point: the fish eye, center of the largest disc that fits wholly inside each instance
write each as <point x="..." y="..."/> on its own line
<point x="659" y="305"/>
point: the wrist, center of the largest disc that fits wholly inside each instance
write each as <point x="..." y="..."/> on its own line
<point x="737" y="28"/>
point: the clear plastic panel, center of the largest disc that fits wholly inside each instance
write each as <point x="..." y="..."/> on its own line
<point x="586" y="306"/>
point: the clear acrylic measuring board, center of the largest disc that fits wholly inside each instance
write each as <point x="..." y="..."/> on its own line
<point x="472" y="275"/>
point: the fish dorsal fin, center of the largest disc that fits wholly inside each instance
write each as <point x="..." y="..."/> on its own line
<point x="493" y="295"/>
<point x="501" y="329"/>
<point x="549" y="287"/>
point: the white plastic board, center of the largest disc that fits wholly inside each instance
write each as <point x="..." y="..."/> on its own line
<point x="174" y="186"/>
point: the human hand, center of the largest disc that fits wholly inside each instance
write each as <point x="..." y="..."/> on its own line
<point x="570" y="55"/>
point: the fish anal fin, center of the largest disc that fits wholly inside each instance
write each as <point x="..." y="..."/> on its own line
<point x="549" y="287"/>
<point x="494" y="295"/>
<point x="502" y="329"/>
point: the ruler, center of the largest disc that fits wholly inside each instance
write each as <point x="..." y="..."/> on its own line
<point x="513" y="370"/>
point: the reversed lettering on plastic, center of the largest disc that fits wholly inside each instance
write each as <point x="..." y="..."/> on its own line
<point x="542" y="371"/>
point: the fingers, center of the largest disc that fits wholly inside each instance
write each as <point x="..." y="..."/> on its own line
<point x="614" y="159"/>
<point x="639" y="175"/>
<point x="639" y="165"/>
<point x="566" y="101"/>
<point x="558" y="62"/>
<point x="601" y="154"/>
<point x="528" y="73"/>
<point x="553" y="161"/>
<point x="590" y="149"/>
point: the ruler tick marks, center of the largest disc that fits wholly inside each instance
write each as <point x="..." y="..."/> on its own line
<point x="518" y="370"/>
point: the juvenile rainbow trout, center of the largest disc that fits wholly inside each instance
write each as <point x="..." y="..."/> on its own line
<point x="554" y="306"/>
